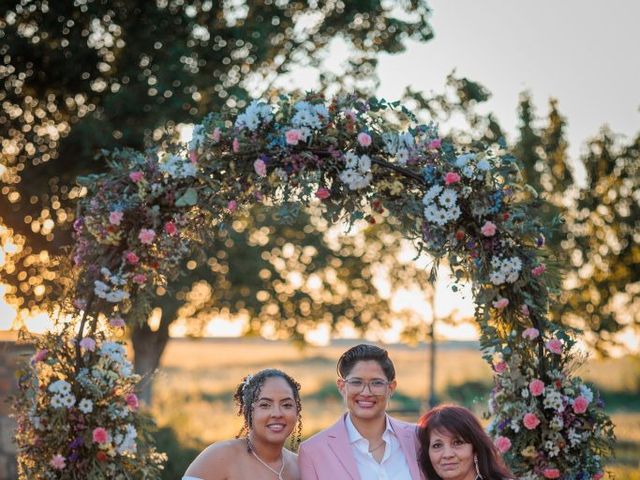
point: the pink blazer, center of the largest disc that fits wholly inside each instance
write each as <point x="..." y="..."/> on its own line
<point x="328" y="456"/>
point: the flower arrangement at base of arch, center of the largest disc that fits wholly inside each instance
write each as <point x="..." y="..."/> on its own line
<point x="78" y="413"/>
<point x="361" y="160"/>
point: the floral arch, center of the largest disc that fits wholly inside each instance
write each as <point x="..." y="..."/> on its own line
<point x="138" y="222"/>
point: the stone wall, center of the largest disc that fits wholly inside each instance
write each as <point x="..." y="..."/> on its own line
<point x="10" y="355"/>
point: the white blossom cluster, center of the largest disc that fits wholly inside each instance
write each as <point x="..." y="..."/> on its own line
<point x="62" y="394"/>
<point x="178" y="167"/>
<point x="116" y="352"/>
<point x="126" y="442"/>
<point x="357" y="174"/>
<point x="469" y="168"/>
<point x="309" y="115"/>
<point x="441" y="205"/>
<point x="505" y="270"/>
<point x="554" y="400"/>
<point x="110" y="293"/>
<point x="254" y="115"/>
<point x="399" y="144"/>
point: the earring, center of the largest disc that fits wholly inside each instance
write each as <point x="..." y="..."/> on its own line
<point x="475" y="461"/>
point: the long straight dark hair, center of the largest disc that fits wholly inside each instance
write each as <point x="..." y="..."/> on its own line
<point x="459" y="421"/>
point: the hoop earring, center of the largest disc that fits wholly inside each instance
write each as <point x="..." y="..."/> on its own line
<point x="475" y="461"/>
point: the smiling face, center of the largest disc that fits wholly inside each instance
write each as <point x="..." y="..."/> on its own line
<point x="451" y="456"/>
<point x="362" y="403"/>
<point x="274" y="412"/>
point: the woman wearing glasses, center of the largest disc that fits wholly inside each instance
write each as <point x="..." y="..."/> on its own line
<point x="365" y="443"/>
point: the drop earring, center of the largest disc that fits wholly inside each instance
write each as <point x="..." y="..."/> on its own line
<point x="475" y="461"/>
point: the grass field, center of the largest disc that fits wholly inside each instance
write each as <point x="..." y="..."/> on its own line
<point x="194" y="388"/>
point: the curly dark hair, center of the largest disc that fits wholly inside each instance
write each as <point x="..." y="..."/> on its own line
<point x="249" y="390"/>
<point x="365" y="352"/>
<point x="460" y="422"/>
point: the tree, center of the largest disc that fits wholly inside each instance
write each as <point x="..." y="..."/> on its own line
<point x="85" y="76"/>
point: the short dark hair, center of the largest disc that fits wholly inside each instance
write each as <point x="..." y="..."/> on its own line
<point x="365" y="352"/>
<point x="460" y="422"/>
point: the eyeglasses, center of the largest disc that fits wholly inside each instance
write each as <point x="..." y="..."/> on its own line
<point x="376" y="387"/>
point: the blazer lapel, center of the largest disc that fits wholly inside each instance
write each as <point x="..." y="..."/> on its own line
<point x="340" y="446"/>
<point x="408" y="443"/>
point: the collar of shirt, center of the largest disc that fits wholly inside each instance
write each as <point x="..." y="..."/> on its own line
<point x="361" y="443"/>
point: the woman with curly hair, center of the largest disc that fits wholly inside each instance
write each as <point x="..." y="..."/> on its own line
<point x="269" y="401"/>
<point x="453" y="446"/>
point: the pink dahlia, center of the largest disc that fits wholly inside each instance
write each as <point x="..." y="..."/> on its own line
<point x="530" y="421"/>
<point x="503" y="444"/>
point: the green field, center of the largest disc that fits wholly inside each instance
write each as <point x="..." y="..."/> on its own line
<point x="194" y="387"/>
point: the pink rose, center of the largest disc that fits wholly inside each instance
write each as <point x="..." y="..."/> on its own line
<point x="115" y="217"/>
<point x="131" y="258"/>
<point x="551" y="473"/>
<point x="580" y="404"/>
<point x="500" y="367"/>
<point x="451" y="177"/>
<point x="503" y="444"/>
<point x="554" y="346"/>
<point x="536" y="387"/>
<point x="170" y="228"/>
<point x="88" y="343"/>
<point x="235" y="145"/>
<point x="136" y="176"/>
<point x="58" y="462"/>
<point x="117" y="322"/>
<point x="232" y="205"/>
<point x="501" y="303"/>
<point x="364" y="139"/>
<point x="530" y="421"/>
<point x="139" y="278"/>
<point x="260" y="167"/>
<point x="488" y="229"/>
<point x="216" y="135"/>
<point x="530" y="333"/>
<point x="539" y="270"/>
<point x="323" y="193"/>
<point x="132" y="401"/>
<point x="100" y="435"/>
<point x="434" y="144"/>
<point x="597" y="476"/>
<point x="40" y="355"/>
<point x="293" y="136"/>
<point x="524" y="309"/>
<point x="146" y="236"/>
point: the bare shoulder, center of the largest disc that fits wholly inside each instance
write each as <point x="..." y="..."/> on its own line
<point x="215" y="461"/>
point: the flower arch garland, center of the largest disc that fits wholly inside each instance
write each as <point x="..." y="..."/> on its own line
<point x="151" y="209"/>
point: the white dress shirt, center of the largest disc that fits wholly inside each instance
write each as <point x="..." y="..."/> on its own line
<point x="393" y="465"/>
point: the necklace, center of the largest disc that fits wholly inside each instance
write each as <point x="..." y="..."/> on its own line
<point x="277" y="473"/>
<point x="371" y="450"/>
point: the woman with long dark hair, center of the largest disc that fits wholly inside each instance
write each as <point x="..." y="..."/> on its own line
<point x="454" y="446"/>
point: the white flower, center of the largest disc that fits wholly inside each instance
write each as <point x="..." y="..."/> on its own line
<point x="448" y="198"/>
<point x="85" y="405"/>
<point x="554" y="401"/>
<point x="57" y="401"/>
<point x="402" y="156"/>
<point x="505" y="270"/>
<point x="69" y="401"/>
<point x="467" y="171"/>
<point x="256" y="113"/>
<point x="431" y="194"/>
<point x="357" y="174"/>
<point x="178" y="167"/>
<point x="61" y="387"/>
<point x="556" y="423"/>
<point x="309" y="115"/>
